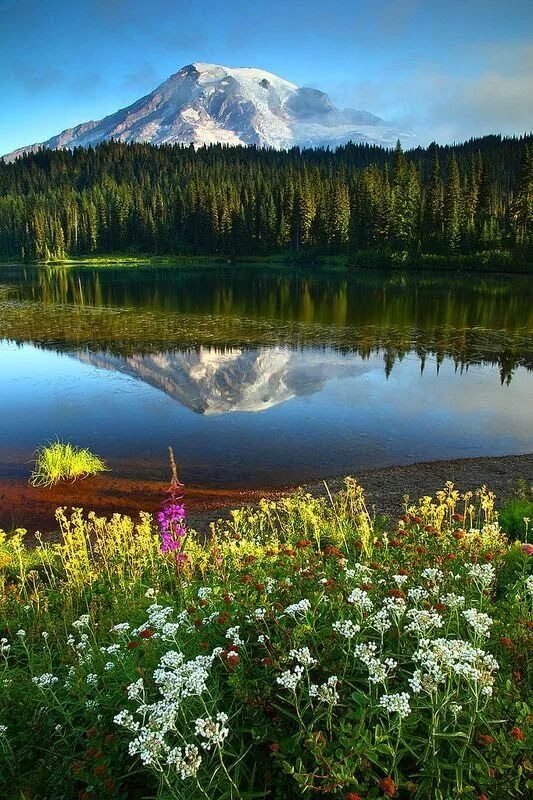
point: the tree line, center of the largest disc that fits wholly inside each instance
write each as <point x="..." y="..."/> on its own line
<point x="115" y="198"/>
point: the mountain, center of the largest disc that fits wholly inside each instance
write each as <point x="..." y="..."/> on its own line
<point x="207" y="103"/>
<point x="212" y="381"/>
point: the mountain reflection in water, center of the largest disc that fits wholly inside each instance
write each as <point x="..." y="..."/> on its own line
<point x="323" y="373"/>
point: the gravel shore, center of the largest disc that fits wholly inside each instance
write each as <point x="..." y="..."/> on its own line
<point x="385" y="488"/>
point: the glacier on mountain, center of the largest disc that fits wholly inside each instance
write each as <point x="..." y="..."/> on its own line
<point x="204" y="104"/>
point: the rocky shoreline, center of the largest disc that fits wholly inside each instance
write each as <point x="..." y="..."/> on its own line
<point x="385" y="487"/>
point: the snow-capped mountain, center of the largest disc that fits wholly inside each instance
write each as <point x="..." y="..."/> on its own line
<point x="207" y="103"/>
<point x="212" y="381"/>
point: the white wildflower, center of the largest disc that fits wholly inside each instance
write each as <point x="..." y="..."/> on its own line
<point x="360" y="598"/>
<point x="186" y="761"/>
<point x="298" y="609"/>
<point x="326" y="692"/>
<point x="346" y="628"/>
<point x="479" y="622"/>
<point x="213" y="731"/>
<point x="396" y="704"/>
<point x="303" y="656"/>
<point x="290" y="679"/>
<point x="45" y="680"/>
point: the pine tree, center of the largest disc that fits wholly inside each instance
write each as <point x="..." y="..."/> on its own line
<point x="452" y="208"/>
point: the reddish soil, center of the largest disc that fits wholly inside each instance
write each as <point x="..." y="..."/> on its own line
<point x="25" y="506"/>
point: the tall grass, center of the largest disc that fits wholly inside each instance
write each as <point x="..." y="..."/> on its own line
<point x="61" y="462"/>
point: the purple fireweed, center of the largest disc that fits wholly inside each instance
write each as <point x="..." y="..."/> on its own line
<point x="172" y="517"/>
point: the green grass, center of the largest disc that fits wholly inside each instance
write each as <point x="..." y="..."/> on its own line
<point x="62" y="462"/>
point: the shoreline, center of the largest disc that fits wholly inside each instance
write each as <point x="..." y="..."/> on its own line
<point x="33" y="508"/>
<point x="489" y="262"/>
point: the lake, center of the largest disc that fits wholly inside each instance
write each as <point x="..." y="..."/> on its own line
<point x="262" y="377"/>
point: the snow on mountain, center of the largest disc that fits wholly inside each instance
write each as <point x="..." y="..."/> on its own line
<point x="208" y="103"/>
<point x="212" y="381"/>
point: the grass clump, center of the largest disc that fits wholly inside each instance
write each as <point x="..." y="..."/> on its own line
<point x="63" y="462"/>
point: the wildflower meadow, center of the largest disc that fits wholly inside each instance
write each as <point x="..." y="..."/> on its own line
<point x="305" y="648"/>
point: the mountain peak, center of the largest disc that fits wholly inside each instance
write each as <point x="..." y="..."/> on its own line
<point x="206" y="103"/>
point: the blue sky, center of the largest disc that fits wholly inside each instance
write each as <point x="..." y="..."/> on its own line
<point x="448" y="70"/>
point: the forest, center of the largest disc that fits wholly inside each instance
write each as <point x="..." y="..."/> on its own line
<point x="454" y="200"/>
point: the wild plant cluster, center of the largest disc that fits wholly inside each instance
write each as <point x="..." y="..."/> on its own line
<point x="304" y="649"/>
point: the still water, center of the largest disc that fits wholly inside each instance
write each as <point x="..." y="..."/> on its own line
<point x="262" y="377"/>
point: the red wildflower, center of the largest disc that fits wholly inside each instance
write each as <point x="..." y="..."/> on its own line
<point x="482" y="797"/>
<point x="99" y="770"/>
<point x="132" y="645"/>
<point x="439" y="607"/>
<point x="459" y="535"/>
<point x="458" y="517"/>
<point x="191" y="610"/>
<point x="396" y="593"/>
<point x="274" y="747"/>
<point x="202" y="603"/>
<point x="109" y="738"/>
<point x="518" y="734"/>
<point x="388" y="787"/>
<point x="90" y="732"/>
<point x="378" y="544"/>
<point x="489" y="556"/>
<point x="92" y="752"/>
<point x="485" y="739"/>
<point x="267" y="662"/>
<point x="204" y="645"/>
<point x="198" y="623"/>
<point x="395" y="543"/>
<point x="416" y="520"/>
<point x="366" y="586"/>
<point x="301" y="543"/>
<point x="352" y="796"/>
<point x="517" y="676"/>
<point x="223" y="618"/>
<point x="527" y="549"/>
<point x="403" y="571"/>
<point x="232" y="660"/>
<point x="421" y="550"/>
<point x="246" y="578"/>
<point x="401" y="532"/>
<point x="506" y="642"/>
<point x="109" y="784"/>
<point x="227" y="599"/>
<point x="259" y="587"/>
<point x="375" y="565"/>
<point x="76" y="767"/>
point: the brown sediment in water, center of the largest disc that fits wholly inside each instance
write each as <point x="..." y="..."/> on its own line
<point x="33" y="508"/>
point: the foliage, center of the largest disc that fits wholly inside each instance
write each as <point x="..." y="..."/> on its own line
<point x="516" y="514"/>
<point x="58" y="461"/>
<point x="304" y="649"/>
<point x="468" y="198"/>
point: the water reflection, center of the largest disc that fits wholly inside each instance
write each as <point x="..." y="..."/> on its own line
<point x="134" y="311"/>
<point x="262" y="377"/>
<point x="212" y="381"/>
